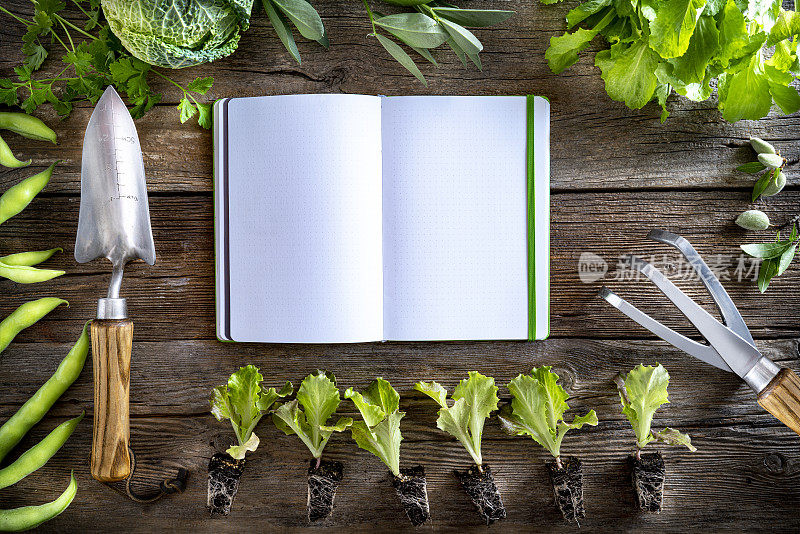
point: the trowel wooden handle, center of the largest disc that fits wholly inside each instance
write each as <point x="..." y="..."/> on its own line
<point x="112" y="341"/>
<point x="781" y="398"/>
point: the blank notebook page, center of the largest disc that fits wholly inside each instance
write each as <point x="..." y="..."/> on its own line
<point x="305" y="218"/>
<point x="455" y="218"/>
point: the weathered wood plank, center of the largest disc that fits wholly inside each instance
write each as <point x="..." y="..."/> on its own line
<point x="758" y="487"/>
<point x="179" y="289"/>
<point x="596" y="143"/>
<point x="175" y="378"/>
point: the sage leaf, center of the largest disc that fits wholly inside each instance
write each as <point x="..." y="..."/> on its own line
<point x="460" y="53"/>
<point x="786" y="259"/>
<point x="752" y="167"/>
<point x="476" y="60"/>
<point x="766" y="250"/>
<point x="766" y="271"/>
<point x="279" y="22"/>
<point x="414" y="29"/>
<point x="400" y="55"/>
<point x="424" y="52"/>
<point x="474" y="17"/>
<point x="303" y="16"/>
<point x="464" y="38"/>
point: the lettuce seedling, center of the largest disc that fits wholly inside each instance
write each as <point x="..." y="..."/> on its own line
<point x="306" y="417"/>
<point x="379" y="433"/>
<point x="474" y="399"/>
<point x="537" y="410"/>
<point x="244" y="403"/>
<point x="642" y="391"/>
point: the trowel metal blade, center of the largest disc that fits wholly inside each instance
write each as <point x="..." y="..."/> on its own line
<point x="114" y="220"/>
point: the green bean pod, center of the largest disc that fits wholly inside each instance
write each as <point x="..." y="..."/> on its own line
<point x="7" y="157"/>
<point x="25" y="316"/>
<point x="29" y="258"/>
<point x="22" y="274"/>
<point x="26" y="126"/>
<point x="20" y="195"/>
<point x="28" y="517"/>
<point x="37" y="406"/>
<point x="39" y="454"/>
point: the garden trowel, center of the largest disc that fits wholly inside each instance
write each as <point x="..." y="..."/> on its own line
<point x="114" y="223"/>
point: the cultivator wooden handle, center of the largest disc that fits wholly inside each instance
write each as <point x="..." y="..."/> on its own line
<point x="112" y="340"/>
<point x="781" y="398"/>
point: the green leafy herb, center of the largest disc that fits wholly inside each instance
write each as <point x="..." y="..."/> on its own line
<point x="379" y="431"/>
<point x="302" y="15"/>
<point x="776" y="256"/>
<point x="682" y="45"/>
<point x="430" y="24"/>
<point x="642" y="391"/>
<point x="537" y="410"/>
<point x="307" y="415"/>
<point x="244" y="403"/>
<point x="92" y="61"/>
<point x="474" y="399"/>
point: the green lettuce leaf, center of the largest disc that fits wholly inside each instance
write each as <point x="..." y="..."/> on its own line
<point x="629" y="72"/>
<point x="672" y="24"/>
<point x="474" y="399"/>
<point x="642" y="391"/>
<point x="537" y="410"/>
<point x="319" y="397"/>
<point x="244" y="403"/>
<point x="379" y="432"/>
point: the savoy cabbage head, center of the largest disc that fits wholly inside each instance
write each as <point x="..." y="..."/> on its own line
<point x="178" y="33"/>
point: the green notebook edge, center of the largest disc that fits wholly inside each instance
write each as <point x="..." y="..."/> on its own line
<point x="533" y="334"/>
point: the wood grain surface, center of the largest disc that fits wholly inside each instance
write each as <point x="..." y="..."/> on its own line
<point x="616" y="173"/>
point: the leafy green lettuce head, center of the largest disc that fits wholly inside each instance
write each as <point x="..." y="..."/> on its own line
<point x="178" y="33"/>
<point x="642" y="391"/>
<point x="244" y="402"/>
<point x="537" y="410"/>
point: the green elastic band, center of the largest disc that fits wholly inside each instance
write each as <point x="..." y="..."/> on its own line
<point x="531" y="223"/>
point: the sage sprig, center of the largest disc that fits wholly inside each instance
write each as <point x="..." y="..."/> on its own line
<point x="283" y="14"/>
<point x="429" y="26"/>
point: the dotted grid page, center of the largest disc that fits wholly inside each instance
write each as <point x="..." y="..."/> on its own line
<point x="455" y="218"/>
<point x="305" y="218"/>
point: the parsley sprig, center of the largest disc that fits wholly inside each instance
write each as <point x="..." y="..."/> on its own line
<point x="92" y="59"/>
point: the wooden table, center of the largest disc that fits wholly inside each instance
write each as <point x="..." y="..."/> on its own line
<point x="616" y="173"/>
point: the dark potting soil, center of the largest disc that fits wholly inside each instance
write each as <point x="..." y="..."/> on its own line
<point x="413" y="492"/>
<point x="480" y="487"/>
<point x="648" y="473"/>
<point x="223" y="482"/>
<point x="322" y="484"/>
<point x="568" y="487"/>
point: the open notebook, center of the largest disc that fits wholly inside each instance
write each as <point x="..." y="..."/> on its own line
<point x="350" y="218"/>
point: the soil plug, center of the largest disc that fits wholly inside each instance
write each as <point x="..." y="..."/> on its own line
<point x="244" y="403"/>
<point x="536" y="410"/>
<point x="642" y="391"/>
<point x="318" y="397"/>
<point x="379" y="433"/>
<point x="474" y="400"/>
